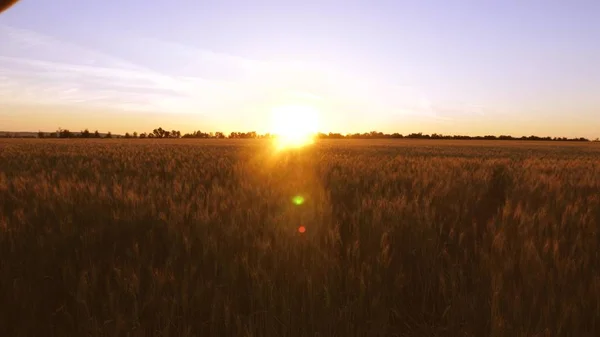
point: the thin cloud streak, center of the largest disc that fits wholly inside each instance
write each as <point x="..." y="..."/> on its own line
<point x="38" y="68"/>
<point x="106" y="81"/>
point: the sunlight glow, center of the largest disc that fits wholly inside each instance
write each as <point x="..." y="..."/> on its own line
<point x="294" y="126"/>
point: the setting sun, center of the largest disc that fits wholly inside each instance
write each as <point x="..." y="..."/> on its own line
<point x="294" y="125"/>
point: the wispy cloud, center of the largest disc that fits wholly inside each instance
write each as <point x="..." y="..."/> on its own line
<point x="48" y="70"/>
<point x="35" y="67"/>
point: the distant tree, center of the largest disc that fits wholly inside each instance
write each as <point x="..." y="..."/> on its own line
<point x="108" y="135"/>
<point x="41" y="134"/>
<point x="143" y="135"/>
<point x="64" y="133"/>
<point x="96" y="134"/>
<point x="85" y="133"/>
<point x="135" y="134"/>
<point x="415" y="135"/>
<point x="127" y="135"/>
<point x="160" y="133"/>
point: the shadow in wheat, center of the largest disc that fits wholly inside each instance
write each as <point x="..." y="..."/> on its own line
<point x="494" y="199"/>
<point x="424" y="251"/>
<point x="475" y="241"/>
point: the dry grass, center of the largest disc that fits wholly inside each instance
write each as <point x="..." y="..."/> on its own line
<point x="198" y="238"/>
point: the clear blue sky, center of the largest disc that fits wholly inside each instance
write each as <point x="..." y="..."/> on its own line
<point x="468" y="67"/>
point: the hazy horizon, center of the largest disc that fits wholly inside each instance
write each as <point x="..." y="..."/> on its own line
<point x="461" y="68"/>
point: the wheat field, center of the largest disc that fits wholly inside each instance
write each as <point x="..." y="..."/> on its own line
<point x="200" y="238"/>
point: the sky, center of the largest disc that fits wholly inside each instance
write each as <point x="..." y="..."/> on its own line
<point x="450" y="67"/>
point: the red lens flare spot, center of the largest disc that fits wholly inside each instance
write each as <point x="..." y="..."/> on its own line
<point x="301" y="229"/>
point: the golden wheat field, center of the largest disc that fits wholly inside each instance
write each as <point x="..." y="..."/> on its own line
<point x="200" y="238"/>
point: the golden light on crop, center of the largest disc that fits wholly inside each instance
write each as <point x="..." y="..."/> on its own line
<point x="294" y="126"/>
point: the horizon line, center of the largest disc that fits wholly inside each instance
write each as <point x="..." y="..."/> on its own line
<point x="373" y="134"/>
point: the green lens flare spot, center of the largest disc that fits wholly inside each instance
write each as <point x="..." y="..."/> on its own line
<point x="298" y="200"/>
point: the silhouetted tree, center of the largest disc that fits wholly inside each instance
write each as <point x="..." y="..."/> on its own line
<point x="64" y="133"/>
<point x="108" y="135"/>
<point x="160" y="133"/>
<point x="96" y="134"/>
<point x="196" y="134"/>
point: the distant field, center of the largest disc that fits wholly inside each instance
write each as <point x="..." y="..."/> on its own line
<point x="199" y="238"/>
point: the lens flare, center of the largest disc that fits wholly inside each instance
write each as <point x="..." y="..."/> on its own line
<point x="298" y="200"/>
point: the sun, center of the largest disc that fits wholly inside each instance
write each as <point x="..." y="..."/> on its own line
<point x="294" y="125"/>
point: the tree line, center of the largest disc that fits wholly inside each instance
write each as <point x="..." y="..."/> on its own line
<point x="420" y="135"/>
<point x="161" y="133"/>
<point x="156" y="133"/>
